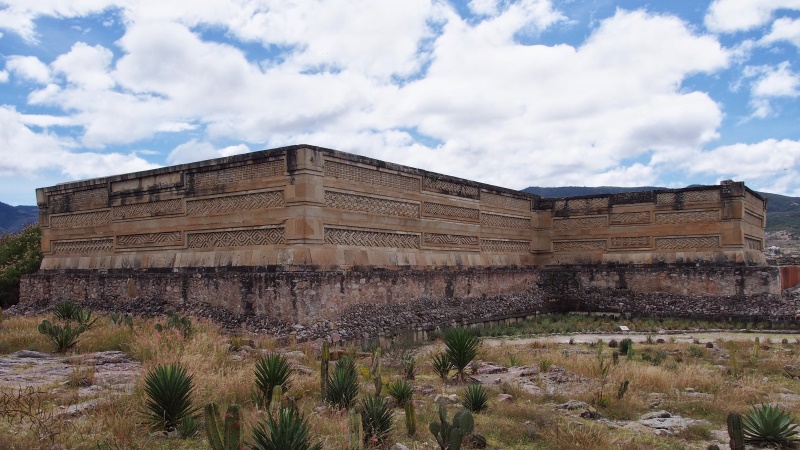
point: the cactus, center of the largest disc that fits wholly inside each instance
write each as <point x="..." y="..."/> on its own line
<point x="449" y="435"/>
<point x="411" y="420"/>
<point x="355" y="434"/>
<point x="276" y="403"/>
<point x="230" y="437"/>
<point x="323" y="370"/>
<point x="735" y="431"/>
<point x="623" y="388"/>
<point x="756" y="348"/>
<point x="375" y="371"/>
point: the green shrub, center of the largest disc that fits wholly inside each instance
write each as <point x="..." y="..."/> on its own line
<point x="625" y="345"/>
<point x="343" y="384"/>
<point x="20" y="254"/>
<point x="271" y="371"/>
<point x="401" y="391"/>
<point x="768" y="424"/>
<point x="63" y="337"/>
<point x="461" y="348"/>
<point x="177" y="322"/>
<point x="286" y="430"/>
<point x="474" y="398"/>
<point x="376" y="419"/>
<point x="695" y="351"/>
<point x="169" y="390"/>
<point x="442" y="365"/>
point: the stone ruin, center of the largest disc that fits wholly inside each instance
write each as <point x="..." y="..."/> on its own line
<point x="325" y="240"/>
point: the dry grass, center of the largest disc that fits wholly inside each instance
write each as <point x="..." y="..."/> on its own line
<point x="529" y="422"/>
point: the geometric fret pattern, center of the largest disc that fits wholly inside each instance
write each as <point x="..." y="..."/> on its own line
<point x="752" y="201"/>
<point x="449" y="211"/>
<point x="632" y="241"/>
<point x="79" y="200"/>
<point x="687" y="217"/>
<point x="687" y="242"/>
<point x="450" y="188"/>
<point x="373" y="205"/>
<point x="161" y="208"/>
<point x="149" y="239"/>
<point x="235" y="238"/>
<point x="753" y="243"/>
<point x="82" y="247"/>
<point x="579" y="222"/>
<point x="503" y="201"/>
<point x="669" y="198"/>
<point x="246" y="202"/>
<point x="753" y="219"/>
<point x="496" y="220"/>
<point x="363" y="238"/>
<point x="450" y="239"/>
<point x="630" y="218"/>
<point x="574" y="246"/>
<point x="241" y="173"/>
<point x="370" y="176"/>
<point x="90" y="219"/>
<point x="505" y="246"/>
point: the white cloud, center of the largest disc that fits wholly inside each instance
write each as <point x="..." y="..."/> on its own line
<point x="86" y="66"/>
<point x="771" y="83"/>
<point x="3" y="75"/>
<point x="29" y="68"/>
<point x="19" y="16"/>
<point x="195" y="150"/>
<point x="729" y="16"/>
<point x="483" y="7"/>
<point x="783" y="29"/>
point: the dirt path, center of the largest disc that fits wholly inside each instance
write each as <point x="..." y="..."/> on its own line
<point x="687" y="337"/>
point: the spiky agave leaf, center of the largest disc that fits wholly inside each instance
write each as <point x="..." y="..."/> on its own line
<point x="474" y="398"/>
<point x="271" y="371"/>
<point x="169" y="390"/>
<point x="376" y="418"/>
<point x="770" y="424"/>
<point x="286" y="430"/>
<point x="461" y="348"/>
<point x="343" y="384"/>
<point x="401" y="391"/>
<point x="442" y="365"/>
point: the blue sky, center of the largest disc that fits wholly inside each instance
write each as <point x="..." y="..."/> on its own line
<point x="512" y="93"/>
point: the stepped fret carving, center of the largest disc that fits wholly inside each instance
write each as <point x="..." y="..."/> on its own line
<point x="505" y="246"/>
<point x="687" y="217"/>
<point x="83" y="247"/>
<point x="496" y="220"/>
<point x="631" y="218"/>
<point x="370" y="176"/>
<point x="363" y="238"/>
<point x="78" y="200"/>
<point x="160" y="208"/>
<point x="371" y="205"/>
<point x="236" y="238"/>
<point x="149" y="239"/>
<point x="450" y="239"/>
<point x="80" y="220"/>
<point x="450" y="188"/>
<point x="576" y="246"/>
<point x="671" y="198"/>
<point x="587" y="204"/>
<point x="245" y="202"/>
<point x="579" y="222"/>
<point x="751" y="243"/>
<point x="753" y="219"/>
<point x="242" y="173"/>
<point x="752" y="201"/>
<point x="632" y="241"/>
<point x="687" y="242"/>
<point x="450" y="212"/>
<point x="504" y="201"/>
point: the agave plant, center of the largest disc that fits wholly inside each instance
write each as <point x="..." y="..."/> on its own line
<point x="401" y="391"/>
<point x="64" y="337"/>
<point x="768" y="424"/>
<point x="169" y="391"/>
<point x="286" y="430"/>
<point x="66" y="310"/>
<point x="342" y="384"/>
<point x="474" y="398"/>
<point x="409" y="366"/>
<point x="271" y="371"/>
<point x="461" y="348"/>
<point x="376" y="419"/>
<point x="442" y="365"/>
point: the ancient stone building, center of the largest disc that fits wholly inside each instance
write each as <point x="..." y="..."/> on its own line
<point x="305" y="233"/>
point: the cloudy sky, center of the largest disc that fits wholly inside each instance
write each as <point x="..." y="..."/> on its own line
<point x="512" y="93"/>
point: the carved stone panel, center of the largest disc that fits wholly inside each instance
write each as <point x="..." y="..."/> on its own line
<point x="450" y="212"/>
<point x="369" y="238"/>
<point x="83" y="247"/>
<point x="231" y="203"/>
<point x="159" y="181"/>
<point x="505" y="246"/>
<point x="687" y="217"/>
<point x="373" y="177"/>
<point x="668" y="243"/>
<point x="436" y="239"/>
<point x="753" y="219"/>
<point x="752" y="243"/>
<point x="235" y="238"/>
<point x="500" y="221"/>
<point x="80" y="220"/>
<point x="630" y="242"/>
<point x="234" y="174"/>
<point x="505" y="201"/>
<point x="372" y="205"/>
<point x="580" y="246"/>
<point x="433" y="184"/>
<point x="149" y="239"/>
<point x="671" y="198"/>
<point x="150" y="209"/>
<point x="572" y="223"/>
<point x="630" y="218"/>
<point x="753" y="202"/>
<point x="78" y="200"/>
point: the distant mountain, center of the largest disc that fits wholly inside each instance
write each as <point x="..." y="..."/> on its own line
<point x="783" y="212"/>
<point x="15" y="218"/>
